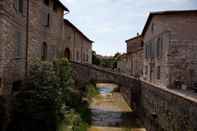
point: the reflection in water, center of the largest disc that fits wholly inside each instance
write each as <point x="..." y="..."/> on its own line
<point x="110" y="112"/>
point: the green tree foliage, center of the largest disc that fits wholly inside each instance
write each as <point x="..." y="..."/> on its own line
<point x="41" y="106"/>
<point x="49" y="100"/>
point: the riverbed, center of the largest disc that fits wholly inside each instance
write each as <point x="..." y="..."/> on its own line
<point x="110" y="112"/>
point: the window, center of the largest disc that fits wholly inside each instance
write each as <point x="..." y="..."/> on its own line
<point x="19" y="6"/>
<point x="87" y="57"/>
<point x="152" y="27"/>
<point x="77" y="55"/>
<point x="46" y="2"/>
<point x="158" y="72"/>
<point x="0" y="83"/>
<point x="55" y="7"/>
<point x="159" y="47"/>
<point x="46" y="19"/>
<point x="146" y="70"/>
<point x="44" y="51"/>
<point x="18" y="44"/>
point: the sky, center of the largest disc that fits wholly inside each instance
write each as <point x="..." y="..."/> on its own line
<point x="110" y="22"/>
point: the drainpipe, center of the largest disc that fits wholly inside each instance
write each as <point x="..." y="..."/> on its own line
<point x="27" y="40"/>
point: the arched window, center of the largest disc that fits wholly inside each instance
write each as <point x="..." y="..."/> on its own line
<point x="44" y="51"/>
<point x="67" y="53"/>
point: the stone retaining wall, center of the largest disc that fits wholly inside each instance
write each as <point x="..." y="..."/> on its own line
<point x="161" y="109"/>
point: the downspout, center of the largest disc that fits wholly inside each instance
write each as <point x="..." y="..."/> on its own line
<point x="27" y="40"/>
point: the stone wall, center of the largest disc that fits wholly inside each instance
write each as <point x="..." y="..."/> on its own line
<point x="39" y="33"/>
<point x="172" y="36"/>
<point x="161" y="109"/>
<point x="80" y="47"/>
<point x="11" y="66"/>
<point x="167" y="110"/>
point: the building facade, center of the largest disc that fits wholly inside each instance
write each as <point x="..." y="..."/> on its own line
<point x="76" y="46"/>
<point x="12" y="42"/>
<point x="32" y="29"/>
<point x="170" y="47"/>
<point x="135" y="56"/>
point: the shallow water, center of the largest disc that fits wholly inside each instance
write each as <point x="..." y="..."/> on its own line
<point x="110" y="112"/>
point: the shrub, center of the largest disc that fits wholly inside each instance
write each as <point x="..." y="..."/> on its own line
<point x="41" y="106"/>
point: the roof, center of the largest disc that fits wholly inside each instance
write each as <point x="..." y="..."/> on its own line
<point x="133" y="38"/>
<point x="73" y="26"/>
<point x="164" y="13"/>
<point x="62" y="5"/>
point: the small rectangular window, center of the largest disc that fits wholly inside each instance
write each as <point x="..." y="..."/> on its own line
<point x="46" y="2"/>
<point x="0" y="83"/>
<point x="19" y="6"/>
<point x="146" y="70"/>
<point x="18" y="44"/>
<point x="55" y="6"/>
<point x="158" y="72"/>
<point x="46" y="19"/>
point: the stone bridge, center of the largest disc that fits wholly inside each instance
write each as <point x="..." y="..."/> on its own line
<point x="161" y="109"/>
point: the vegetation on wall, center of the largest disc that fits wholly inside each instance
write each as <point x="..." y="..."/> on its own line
<point x="49" y="100"/>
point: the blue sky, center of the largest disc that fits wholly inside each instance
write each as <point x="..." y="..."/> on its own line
<point x="110" y="22"/>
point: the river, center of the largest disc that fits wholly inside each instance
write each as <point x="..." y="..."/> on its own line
<point x="110" y="112"/>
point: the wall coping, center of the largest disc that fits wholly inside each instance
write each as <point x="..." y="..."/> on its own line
<point x="172" y="91"/>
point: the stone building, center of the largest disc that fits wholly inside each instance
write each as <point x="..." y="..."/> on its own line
<point x="76" y="46"/>
<point x="170" y="46"/>
<point x="135" y="56"/>
<point x="46" y="22"/>
<point x="29" y="29"/>
<point x="12" y="42"/>
<point x="122" y="64"/>
<point x="36" y="29"/>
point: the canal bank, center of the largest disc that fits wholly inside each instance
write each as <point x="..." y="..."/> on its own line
<point x="110" y="112"/>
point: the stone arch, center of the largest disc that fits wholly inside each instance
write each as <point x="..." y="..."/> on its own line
<point x="67" y="53"/>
